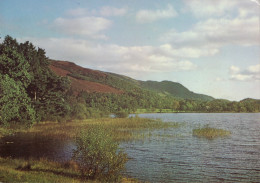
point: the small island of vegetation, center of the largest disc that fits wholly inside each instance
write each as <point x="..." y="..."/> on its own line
<point x="210" y="133"/>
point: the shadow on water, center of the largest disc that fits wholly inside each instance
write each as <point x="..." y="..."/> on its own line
<point x="35" y="146"/>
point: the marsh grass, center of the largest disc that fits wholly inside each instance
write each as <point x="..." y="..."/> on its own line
<point x="210" y="133"/>
<point x="122" y="129"/>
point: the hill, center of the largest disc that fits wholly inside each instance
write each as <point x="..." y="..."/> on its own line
<point x="174" y="89"/>
<point x="89" y="80"/>
<point x="82" y="78"/>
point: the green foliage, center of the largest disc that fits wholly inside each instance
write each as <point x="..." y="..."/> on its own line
<point x="12" y="63"/>
<point x="29" y="89"/>
<point x="121" y="114"/>
<point x="15" y="105"/>
<point x="98" y="155"/>
<point x="79" y="111"/>
<point x="210" y="133"/>
<point x="174" y="89"/>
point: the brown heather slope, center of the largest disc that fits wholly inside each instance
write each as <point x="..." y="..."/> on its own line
<point x="64" y="68"/>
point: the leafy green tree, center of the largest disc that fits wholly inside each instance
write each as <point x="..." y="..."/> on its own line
<point x="14" y="102"/>
<point x="13" y="64"/>
<point x="46" y="90"/>
<point x="15" y="105"/>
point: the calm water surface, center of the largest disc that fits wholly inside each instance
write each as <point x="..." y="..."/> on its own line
<point x="174" y="155"/>
<point x="177" y="156"/>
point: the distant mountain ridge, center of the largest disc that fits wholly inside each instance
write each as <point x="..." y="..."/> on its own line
<point x="84" y="79"/>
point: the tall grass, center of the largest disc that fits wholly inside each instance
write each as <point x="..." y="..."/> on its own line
<point x="210" y="133"/>
<point x="123" y="129"/>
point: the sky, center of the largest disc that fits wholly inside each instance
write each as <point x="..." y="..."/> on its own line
<point x="211" y="47"/>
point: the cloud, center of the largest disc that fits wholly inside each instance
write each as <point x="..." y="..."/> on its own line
<point x="254" y="69"/>
<point x="219" y="79"/>
<point x="186" y="52"/>
<point x="112" y="11"/>
<point x="83" y="26"/>
<point x="252" y="73"/>
<point x="148" y="16"/>
<point x="218" y="8"/>
<point x="133" y="60"/>
<point x="77" y="12"/>
<point x="105" y="11"/>
<point x="215" y="33"/>
<point x="234" y="70"/>
<point x="256" y="1"/>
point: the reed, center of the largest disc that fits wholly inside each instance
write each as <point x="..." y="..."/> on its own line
<point x="210" y="133"/>
<point x="123" y="129"/>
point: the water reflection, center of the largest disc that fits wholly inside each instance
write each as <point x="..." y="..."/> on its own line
<point x="31" y="145"/>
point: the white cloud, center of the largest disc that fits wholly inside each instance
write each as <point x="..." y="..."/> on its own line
<point x="256" y="1"/>
<point x="105" y="11"/>
<point x="214" y="33"/>
<point x="132" y="61"/>
<point x="112" y="11"/>
<point x="234" y="70"/>
<point x="148" y="16"/>
<point x="187" y="51"/>
<point x="83" y="26"/>
<point x="219" y="79"/>
<point x="254" y="68"/>
<point x="218" y="8"/>
<point x="252" y="73"/>
<point x="77" y="12"/>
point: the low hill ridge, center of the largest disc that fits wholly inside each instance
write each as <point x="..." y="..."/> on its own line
<point x="84" y="79"/>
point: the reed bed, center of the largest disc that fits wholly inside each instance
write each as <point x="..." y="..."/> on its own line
<point x="210" y="133"/>
<point x="122" y="129"/>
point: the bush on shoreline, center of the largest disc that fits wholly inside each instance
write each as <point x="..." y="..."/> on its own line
<point x="98" y="155"/>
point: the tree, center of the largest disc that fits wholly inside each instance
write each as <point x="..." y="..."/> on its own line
<point x="14" y="102"/>
<point x="15" y="105"/>
<point x="13" y="64"/>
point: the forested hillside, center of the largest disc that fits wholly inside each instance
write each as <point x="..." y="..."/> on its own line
<point x="34" y="88"/>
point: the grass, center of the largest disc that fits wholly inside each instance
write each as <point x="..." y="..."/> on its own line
<point x="42" y="171"/>
<point x="210" y="133"/>
<point x="122" y="129"/>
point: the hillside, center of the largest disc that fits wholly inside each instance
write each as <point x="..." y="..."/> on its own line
<point x="74" y="72"/>
<point x="174" y="89"/>
<point x="89" y="80"/>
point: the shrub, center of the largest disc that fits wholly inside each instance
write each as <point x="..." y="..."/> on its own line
<point x="79" y="111"/>
<point x="98" y="155"/>
<point x="121" y="114"/>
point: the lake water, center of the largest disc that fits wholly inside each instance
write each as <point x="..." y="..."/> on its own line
<point x="173" y="155"/>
